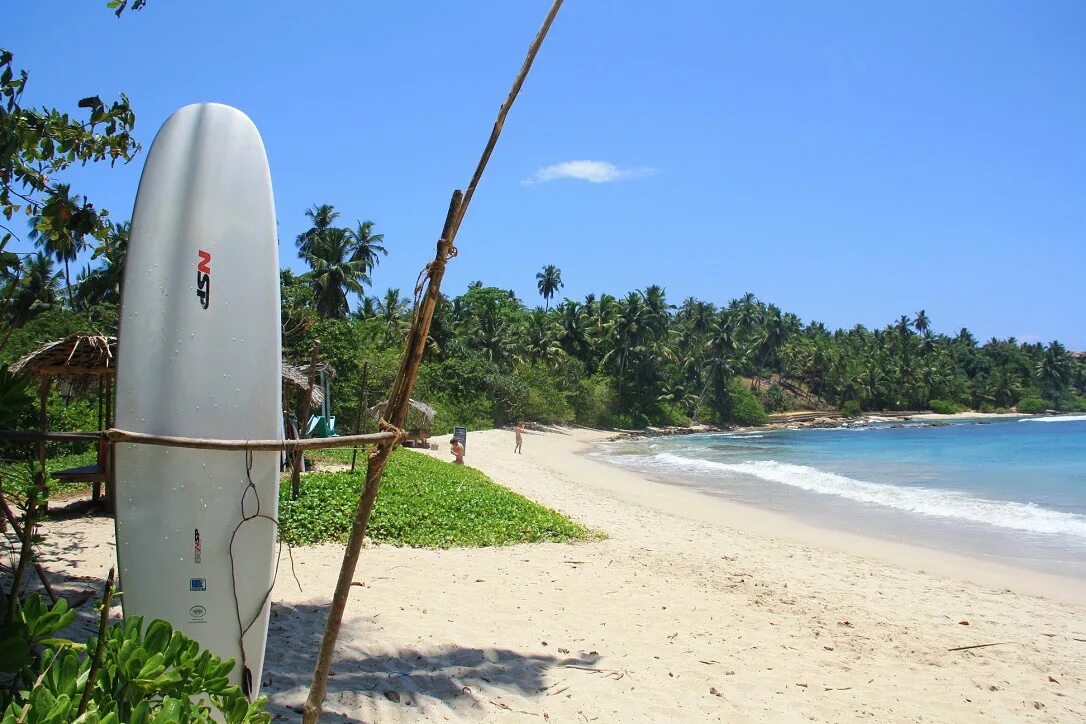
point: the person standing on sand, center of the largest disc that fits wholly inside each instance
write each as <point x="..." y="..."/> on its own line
<point x="457" y="452"/>
<point x="519" y="432"/>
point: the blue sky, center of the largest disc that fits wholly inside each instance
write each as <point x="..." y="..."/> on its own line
<point x="847" y="161"/>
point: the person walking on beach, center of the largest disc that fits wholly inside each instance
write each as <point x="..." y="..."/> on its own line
<point x="457" y="452"/>
<point x="519" y="432"/>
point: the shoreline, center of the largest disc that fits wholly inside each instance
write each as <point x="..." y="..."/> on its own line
<point x="666" y="497"/>
<point x="800" y="420"/>
<point x="682" y="501"/>
<point x="684" y="611"/>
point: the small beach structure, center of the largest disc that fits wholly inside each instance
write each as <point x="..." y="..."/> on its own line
<point x="81" y="360"/>
<point x="420" y="418"/>
<point x="296" y="379"/>
<point x="84" y="359"/>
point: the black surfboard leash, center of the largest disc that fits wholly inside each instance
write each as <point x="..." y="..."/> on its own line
<point x="246" y="672"/>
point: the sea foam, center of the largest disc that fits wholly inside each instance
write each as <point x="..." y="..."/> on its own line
<point x="1055" y="418"/>
<point x="923" y="501"/>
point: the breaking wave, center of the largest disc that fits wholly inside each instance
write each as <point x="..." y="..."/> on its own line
<point x="922" y="501"/>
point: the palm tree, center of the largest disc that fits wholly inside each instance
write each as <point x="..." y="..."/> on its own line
<point x="332" y="273"/>
<point x="368" y="308"/>
<point x="492" y="333"/>
<point x="922" y="323"/>
<point x="367" y="245"/>
<point x="548" y="282"/>
<point x="322" y="216"/>
<point x="1054" y="371"/>
<point x="541" y="339"/>
<point x="391" y="310"/>
<point x="61" y="228"/>
<point x="103" y="284"/>
<point x="36" y="290"/>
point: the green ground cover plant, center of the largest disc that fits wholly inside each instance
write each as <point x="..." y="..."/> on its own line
<point x="423" y="503"/>
<point x="18" y="474"/>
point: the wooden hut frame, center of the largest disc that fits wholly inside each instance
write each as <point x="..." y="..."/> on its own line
<point x="83" y="358"/>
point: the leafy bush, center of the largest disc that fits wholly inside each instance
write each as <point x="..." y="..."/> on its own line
<point x="670" y="414"/>
<point x="1031" y="405"/>
<point x="16" y="398"/>
<point x="423" y="502"/>
<point x="943" y="407"/>
<point x="743" y="406"/>
<point x="777" y="400"/>
<point x="544" y="401"/>
<point x="18" y="473"/>
<point x="850" y="408"/>
<point x="593" y="400"/>
<point x="157" y="676"/>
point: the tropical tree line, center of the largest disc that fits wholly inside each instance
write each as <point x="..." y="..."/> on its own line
<point x="626" y="361"/>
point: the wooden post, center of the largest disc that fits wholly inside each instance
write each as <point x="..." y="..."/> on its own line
<point x="400" y="396"/>
<point x="111" y="453"/>
<point x="359" y="424"/>
<point x="43" y="421"/>
<point x="296" y="473"/>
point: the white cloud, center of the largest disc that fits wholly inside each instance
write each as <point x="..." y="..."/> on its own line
<point x="597" y="172"/>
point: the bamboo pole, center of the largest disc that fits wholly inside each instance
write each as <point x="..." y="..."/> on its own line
<point x="140" y="438"/>
<point x="400" y="396"/>
<point x="113" y="435"/>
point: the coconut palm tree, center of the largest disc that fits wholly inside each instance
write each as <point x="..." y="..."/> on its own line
<point x="391" y="310"/>
<point x="367" y="245"/>
<point x="103" y="284"/>
<point x="493" y="334"/>
<point x="548" y="282"/>
<point x="1054" y="372"/>
<point x="368" y="308"/>
<point x="322" y="216"/>
<point x="333" y="275"/>
<point x="61" y="227"/>
<point x="37" y="289"/>
<point x="922" y="323"/>
<point x="541" y="334"/>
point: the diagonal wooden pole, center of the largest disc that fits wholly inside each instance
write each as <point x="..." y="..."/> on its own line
<point x="396" y="410"/>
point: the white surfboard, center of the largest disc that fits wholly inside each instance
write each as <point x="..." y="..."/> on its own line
<point x="199" y="356"/>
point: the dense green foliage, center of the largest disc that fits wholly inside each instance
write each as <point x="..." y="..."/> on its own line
<point x="944" y="407"/>
<point x="1032" y="405"/>
<point x="157" y="675"/>
<point x="601" y="362"/>
<point x="424" y="502"/>
<point x="18" y="474"/>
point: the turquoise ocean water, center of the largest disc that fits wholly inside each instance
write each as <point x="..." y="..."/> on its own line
<point x="1006" y="489"/>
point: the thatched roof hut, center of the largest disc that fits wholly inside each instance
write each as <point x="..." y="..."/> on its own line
<point x="83" y="356"/>
<point x="78" y="355"/>
<point x="428" y="413"/>
<point x="298" y="378"/>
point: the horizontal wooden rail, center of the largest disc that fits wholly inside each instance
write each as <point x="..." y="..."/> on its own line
<point x="140" y="438"/>
<point x="36" y="436"/>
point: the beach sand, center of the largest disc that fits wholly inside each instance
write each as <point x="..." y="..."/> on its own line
<point x="690" y="609"/>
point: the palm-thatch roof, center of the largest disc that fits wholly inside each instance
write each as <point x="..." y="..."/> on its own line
<point x="88" y="355"/>
<point x="78" y="355"/>
<point x="378" y="411"/>
<point x="298" y="378"/>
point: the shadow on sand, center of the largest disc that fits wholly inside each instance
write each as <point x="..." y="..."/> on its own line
<point x="362" y="680"/>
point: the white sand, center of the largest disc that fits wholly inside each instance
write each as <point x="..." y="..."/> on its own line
<point x="692" y="609"/>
